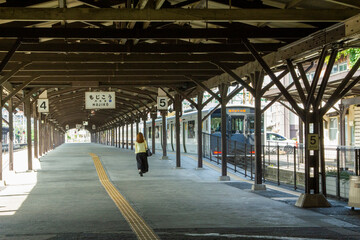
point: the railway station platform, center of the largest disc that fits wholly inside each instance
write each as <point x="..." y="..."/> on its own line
<point x="92" y="191"/>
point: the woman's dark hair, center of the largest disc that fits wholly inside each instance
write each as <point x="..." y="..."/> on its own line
<point x="140" y="138"/>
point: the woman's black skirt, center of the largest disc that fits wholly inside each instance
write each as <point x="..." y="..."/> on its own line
<point x="142" y="162"/>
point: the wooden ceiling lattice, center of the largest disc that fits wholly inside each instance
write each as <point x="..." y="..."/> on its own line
<point x="133" y="47"/>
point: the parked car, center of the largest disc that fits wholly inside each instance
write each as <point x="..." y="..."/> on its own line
<point x="274" y="139"/>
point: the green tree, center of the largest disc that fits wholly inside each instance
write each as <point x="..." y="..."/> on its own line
<point x="353" y="53"/>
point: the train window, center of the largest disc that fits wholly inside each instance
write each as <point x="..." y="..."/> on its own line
<point x="150" y="132"/>
<point x="251" y="124"/>
<point x="157" y="132"/>
<point x="191" y="129"/>
<point x="237" y="124"/>
<point x="215" y="124"/>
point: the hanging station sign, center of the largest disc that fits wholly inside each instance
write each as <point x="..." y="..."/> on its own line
<point x="162" y="103"/>
<point x="43" y="105"/>
<point x="85" y="123"/>
<point x="93" y="127"/>
<point x="67" y="127"/>
<point x="100" y="100"/>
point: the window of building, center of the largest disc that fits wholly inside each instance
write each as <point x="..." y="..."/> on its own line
<point x="335" y="69"/>
<point x="333" y="129"/>
<point x="191" y="129"/>
<point x="342" y="67"/>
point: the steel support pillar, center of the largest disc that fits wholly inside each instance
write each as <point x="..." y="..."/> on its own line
<point x="144" y="132"/>
<point x="199" y="128"/>
<point x="132" y="135"/>
<point x="41" y="140"/>
<point x="28" y="133"/>
<point x="1" y="140"/>
<point x="11" y="136"/>
<point x="153" y="144"/>
<point x="127" y="136"/>
<point x="178" y="102"/>
<point x="36" y="142"/>
<point x="137" y="127"/>
<point x="342" y="114"/>
<point x="116" y="138"/>
<point x="164" y="135"/>
<point x="257" y="79"/>
<point x="123" y="136"/>
<point x="119" y="134"/>
<point x="223" y="89"/>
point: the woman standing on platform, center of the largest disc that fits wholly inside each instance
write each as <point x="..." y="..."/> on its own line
<point x="141" y="156"/>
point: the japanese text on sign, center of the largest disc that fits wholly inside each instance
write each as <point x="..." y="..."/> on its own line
<point x="99" y="100"/>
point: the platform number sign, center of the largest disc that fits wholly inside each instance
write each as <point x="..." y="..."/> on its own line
<point x="162" y="103"/>
<point x="313" y="140"/>
<point x="43" y="105"/>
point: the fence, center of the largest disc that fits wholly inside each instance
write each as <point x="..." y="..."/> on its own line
<point x="284" y="164"/>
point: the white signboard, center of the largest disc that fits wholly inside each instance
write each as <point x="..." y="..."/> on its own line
<point x="99" y="100"/>
<point x="85" y="123"/>
<point x="93" y="127"/>
<point x="43" y="105"/>
<point x="162" y="103"/>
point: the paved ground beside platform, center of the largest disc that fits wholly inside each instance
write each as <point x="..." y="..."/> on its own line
<point x="65" y="200"/>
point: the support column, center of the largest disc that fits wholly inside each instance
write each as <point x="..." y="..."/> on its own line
<point x="127" y="136"/>
<point x="144" y="133"/>
<point x="199" y="129"/>
<point x="131" y="135"/>
<point x="164" y="135"/>
<point x="11" y="136"/>
<point x="119" y="139"/>
<point x="123" y="136"/>
<point x="40" y="136"/>
<point x="153" y="118"/>
<point x="177" y="128"/>
<point x="342" y="114"/>
<point x="1" y="139"/>
<point x="36" y="151"/>
<point x="257" y="79"/>
<point x="28" y="133"/>
<point x="223" y="88"/>
<point x="137" y="126"/>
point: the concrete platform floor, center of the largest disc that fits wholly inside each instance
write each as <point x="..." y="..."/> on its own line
<point x="65" y="200"/>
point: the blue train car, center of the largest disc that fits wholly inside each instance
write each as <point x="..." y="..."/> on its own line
<point x="240" y="130"/>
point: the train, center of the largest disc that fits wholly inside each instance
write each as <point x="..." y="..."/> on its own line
<point x="240" y="130"/>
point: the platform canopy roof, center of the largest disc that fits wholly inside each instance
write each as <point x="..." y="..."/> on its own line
<point x="135" y="47"/>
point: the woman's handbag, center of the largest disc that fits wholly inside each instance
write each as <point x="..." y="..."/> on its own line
<point x="148" y="152"/>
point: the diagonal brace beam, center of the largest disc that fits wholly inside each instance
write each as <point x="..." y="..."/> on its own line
<point x="267" y="69"/>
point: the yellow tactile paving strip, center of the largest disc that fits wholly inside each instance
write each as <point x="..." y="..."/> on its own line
<point x="137" y="224"/>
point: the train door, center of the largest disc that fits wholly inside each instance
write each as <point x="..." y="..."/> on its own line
<point x="157" y="136"/>
<point x="184" y="127"/>
<point x="168" y="137"/>
<point x="190" y="136"/>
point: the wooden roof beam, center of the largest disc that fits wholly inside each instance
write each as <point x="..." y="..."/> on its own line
<point x="177" y="14"/>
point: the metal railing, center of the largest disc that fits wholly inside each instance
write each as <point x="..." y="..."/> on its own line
<point x="286" y="164"/>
